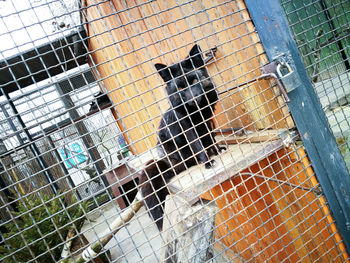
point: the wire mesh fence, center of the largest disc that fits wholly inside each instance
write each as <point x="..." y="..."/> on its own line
<point x="321" y="30"/>
<point x="104" y="100"/>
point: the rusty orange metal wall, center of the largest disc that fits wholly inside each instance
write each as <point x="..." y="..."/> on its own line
<point x="266" y="221"/>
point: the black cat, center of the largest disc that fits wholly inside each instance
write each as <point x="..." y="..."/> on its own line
<point x="185" y="136"/>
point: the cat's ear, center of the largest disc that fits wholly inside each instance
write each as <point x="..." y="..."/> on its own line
<point x="163" y="71"/>
<point x="195" y="56"/>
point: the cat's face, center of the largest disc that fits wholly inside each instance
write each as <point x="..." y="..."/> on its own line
<point x="187" y="81"/>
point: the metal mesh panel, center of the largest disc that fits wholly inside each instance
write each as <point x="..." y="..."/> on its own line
<point x="91" y="110"/>
<point x="321" y="30"/>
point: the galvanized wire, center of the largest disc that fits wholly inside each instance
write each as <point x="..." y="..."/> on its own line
<point x="74" y="154"/>
<point x="322" y="33"/>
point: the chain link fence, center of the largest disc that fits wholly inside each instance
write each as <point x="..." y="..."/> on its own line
<point x="92" y="115"/>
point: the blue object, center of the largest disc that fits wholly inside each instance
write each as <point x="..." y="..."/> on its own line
<point x="319" y="142"/>
<point x="77" y="158"/>
<point x="67" y="157"/>
<point x="123" y="145"/>
<point x="76" y="149"/>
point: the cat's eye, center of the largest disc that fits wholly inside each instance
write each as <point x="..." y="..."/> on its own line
<point x="194" y="81"/>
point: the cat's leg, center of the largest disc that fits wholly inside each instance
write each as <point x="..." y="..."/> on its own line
<point x="197" y="148"/>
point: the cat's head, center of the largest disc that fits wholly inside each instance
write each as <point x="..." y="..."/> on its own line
<point x="187" y="82"/>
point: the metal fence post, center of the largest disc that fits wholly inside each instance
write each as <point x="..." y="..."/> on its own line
<point x="319" y="142"/>
<point x="32" y="146"/>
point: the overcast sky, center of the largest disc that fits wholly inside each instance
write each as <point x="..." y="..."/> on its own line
<point x="25" y="23"/>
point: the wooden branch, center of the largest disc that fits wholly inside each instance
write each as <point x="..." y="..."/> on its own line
<point x="258" y="136"/>
<point x="68" y="243"/>
<point x="92" y="251"/>
<point x="317" y="55"/>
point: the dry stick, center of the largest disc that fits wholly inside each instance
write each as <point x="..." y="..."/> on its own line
<point x="91" y="251"/>
<point x="68" y="244"/>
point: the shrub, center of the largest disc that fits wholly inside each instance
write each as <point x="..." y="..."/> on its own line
<point x="38" y="230"/>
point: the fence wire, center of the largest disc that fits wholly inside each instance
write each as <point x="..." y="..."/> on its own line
<point x="322" y="32"/>
<point x="88" y="101"/>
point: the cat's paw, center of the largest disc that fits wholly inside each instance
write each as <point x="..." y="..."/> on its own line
<point x="222" y="149"/>
<point x="210" y="164"/>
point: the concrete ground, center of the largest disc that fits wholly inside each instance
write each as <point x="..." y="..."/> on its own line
<point x="334" y="96"/>
<point x="139" y="241"/>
